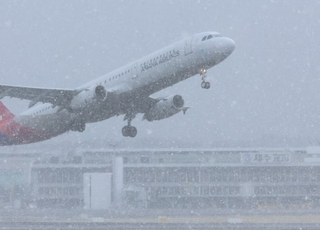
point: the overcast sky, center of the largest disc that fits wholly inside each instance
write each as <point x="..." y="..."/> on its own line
<point x="269" y="86"/>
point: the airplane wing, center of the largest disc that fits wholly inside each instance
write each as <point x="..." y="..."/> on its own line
<point x="59" y="97"/>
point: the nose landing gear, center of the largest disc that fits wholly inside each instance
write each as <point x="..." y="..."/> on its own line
<point x="129" y="131"/>
<point x="203" y="75"/>
<point x="205" y="85"/>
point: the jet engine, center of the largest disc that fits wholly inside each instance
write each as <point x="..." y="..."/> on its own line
<point x="89" y="96"/>
<point x="165" y="107"/>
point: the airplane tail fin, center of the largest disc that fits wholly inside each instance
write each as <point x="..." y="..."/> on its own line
<point x="6" y="118"/>
<point x="5" y="114"/>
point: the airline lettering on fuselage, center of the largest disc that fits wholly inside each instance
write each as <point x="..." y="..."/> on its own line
<point x="160" y="59"/>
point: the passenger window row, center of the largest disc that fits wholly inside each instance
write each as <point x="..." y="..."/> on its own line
<point x="116" y="76"/>
<point x="42" y="110"/>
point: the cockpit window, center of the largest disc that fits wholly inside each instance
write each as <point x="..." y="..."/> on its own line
<point x="210" y="36"/>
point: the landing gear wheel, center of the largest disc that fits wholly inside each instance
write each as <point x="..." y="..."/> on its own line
<point x="205" y="85"/>
<point x="125" y="131"/>
<point x="129" y="131"/>
<point x="133" y="131"/>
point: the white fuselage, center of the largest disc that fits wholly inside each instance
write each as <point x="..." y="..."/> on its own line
<point x="135" y="81"/>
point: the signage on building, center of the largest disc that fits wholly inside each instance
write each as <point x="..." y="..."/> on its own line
<point x="266" y="158"/>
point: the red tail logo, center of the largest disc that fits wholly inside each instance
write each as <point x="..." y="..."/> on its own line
<point x="5" y="114"/>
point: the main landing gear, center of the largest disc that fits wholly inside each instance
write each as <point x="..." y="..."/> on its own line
<point x="129" y="131"/>
<point x="203" y="75"/>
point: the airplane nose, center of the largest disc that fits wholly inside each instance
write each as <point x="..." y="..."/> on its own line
<point x="227" y="46"/>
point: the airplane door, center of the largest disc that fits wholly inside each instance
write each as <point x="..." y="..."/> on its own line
<point x="188" y="46"/>
<point x="134" y="71"/>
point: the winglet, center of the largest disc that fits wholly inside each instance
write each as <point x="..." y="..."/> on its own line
<point x="184" y="109"/>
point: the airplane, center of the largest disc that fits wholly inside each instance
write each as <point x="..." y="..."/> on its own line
<point x="125" y="91"/>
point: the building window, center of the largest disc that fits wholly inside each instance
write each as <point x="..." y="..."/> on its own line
<point x="77" y="160"/>
<point x="213" y="191"/>
<point x="144" y="160"/>
<point x="205" y="191"/>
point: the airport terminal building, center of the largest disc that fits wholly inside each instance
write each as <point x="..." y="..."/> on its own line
<point x="163" y="179"/>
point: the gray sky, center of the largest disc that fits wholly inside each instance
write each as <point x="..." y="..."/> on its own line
<point x="267" y="87"/>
